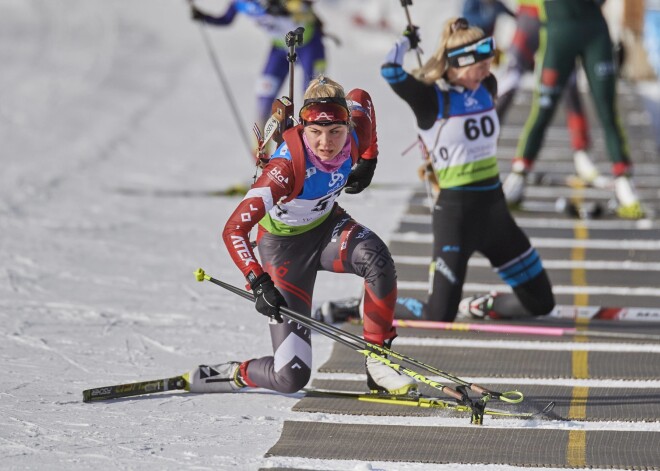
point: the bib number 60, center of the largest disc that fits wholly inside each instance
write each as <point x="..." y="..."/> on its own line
<point x="474" y="129"/>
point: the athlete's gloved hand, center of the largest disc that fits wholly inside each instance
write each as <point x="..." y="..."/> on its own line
<point x="360" y="177"/>
<point x="195" y="14"/>
<point x="274" y="7"/>
<point x="268" y="299"/>
<point x="412" y="33"/>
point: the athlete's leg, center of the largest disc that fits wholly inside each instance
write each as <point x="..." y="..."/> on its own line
<point x="269" y="83"/>
<point x="576" y="118"/>
<point x="578" y="127"/>
<point x="291" y="262"/>
<point x="558" y="60"/>
<point x="601" y="74"/>
<point x="510" y="253"/>
<point x="452" y="248"/>
<point x="352" y="248"/>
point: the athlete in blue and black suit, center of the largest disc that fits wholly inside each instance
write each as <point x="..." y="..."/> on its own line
<point x="452" y="99"/>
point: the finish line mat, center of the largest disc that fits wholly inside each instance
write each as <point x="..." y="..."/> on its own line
<point x="470" y="445"/>
<point x="508" y="363"/>
<point x="585" y="404"/>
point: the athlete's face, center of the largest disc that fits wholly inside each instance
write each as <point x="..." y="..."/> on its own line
<point x="470" y="76"/>
<point x="326" y="141"/>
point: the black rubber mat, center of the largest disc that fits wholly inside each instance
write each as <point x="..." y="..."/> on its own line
<point x="597" y="331"/>
<point x="470" y="445"/>
<point x="598" y="404"/>
<point x="495" y="362"/>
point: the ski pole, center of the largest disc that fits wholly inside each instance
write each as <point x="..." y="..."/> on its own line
<point x="224" y="84"/>
<point x="368" y="349"/>
<point x="549" y="331"/>
<point x="282" y="109"/>
<point x="292" y="39"/>
<point x="404" y="4"/>
<point x="345" y="338"/>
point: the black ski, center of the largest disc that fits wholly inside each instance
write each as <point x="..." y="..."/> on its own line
<point x="118" y="391"/>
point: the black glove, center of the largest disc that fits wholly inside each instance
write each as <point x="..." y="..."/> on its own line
<point x="412" y="33"/>
<point x="268" y="299"/>
<point x="196" y="14"/>
<point x="360" y="177"/>
<point x="274" y="7"/>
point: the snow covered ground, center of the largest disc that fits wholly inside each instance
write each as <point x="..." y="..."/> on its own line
<point x="113" y="131"/>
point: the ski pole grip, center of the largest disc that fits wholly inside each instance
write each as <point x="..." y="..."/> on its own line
<point x="294" y="37"/>
<point x="455" y="394"/>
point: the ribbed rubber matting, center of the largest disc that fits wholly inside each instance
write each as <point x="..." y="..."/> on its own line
<point x="509" y="363"/>
<point x="600" y="404"/>
<point x="470" y="445"/>
<point x="598" y="331"/>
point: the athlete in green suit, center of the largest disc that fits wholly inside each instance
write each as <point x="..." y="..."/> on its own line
<point x="576" y="29"/>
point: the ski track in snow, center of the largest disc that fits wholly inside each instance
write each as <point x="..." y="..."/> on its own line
<point x="110" y="114"/>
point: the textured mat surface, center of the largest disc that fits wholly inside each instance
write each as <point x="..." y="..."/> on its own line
<point x="512" y="363"/>
<point x="470" y="444"/>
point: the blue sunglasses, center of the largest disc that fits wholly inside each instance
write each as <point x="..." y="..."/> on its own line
<point x="472" y="53"/>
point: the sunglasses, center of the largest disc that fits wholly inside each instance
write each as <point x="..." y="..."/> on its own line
<point x="324" y="111"/>
<point x="472" y="53"/>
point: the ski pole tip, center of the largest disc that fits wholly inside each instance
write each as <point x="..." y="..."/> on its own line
<point x="200" y="274"/>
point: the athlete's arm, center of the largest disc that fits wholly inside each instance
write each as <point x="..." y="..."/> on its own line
<point x="364" y="117"/>
<point x="225" y="19"/>
<point x="276" y="181"/>
<point x="420" y="97"/>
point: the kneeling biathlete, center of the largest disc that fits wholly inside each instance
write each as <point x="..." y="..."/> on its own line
<point x="453" y="99"/>
<point x="302" y="230"/>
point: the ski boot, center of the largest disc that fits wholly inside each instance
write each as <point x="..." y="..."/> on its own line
<point x="339" y="311"/>
<point x="587" y="171"/>
<point x="477" y="307"/>
<point x="385" y="380"/>
<point x="222" y="378"/>
<point x="626" y="195"/>
<point x="514" y="184"/>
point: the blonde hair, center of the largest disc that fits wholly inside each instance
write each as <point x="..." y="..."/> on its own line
<point x="322" y="87"/>
<point x="456" y="32"/>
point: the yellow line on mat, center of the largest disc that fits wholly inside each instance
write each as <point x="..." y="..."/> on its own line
<point x="576" y="451"/>
<point x="579" y="275"/>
